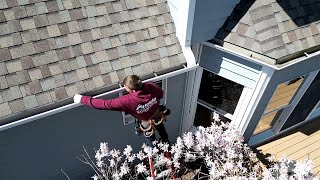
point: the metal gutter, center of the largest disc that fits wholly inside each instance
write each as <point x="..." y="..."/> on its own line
<point x="257" y="61"/>
<point x="74" y="105"/>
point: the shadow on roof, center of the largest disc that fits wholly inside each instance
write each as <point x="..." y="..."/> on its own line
<point x="302" y="12"/>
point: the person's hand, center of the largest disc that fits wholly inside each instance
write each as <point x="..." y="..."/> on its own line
<point x="77" y="98"/>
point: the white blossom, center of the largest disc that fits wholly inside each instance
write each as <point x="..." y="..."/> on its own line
<point x="141" y="168"/>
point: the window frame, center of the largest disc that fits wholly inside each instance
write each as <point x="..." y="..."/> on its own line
<point x="128" y="118"/>
<point x="274" y="125"/>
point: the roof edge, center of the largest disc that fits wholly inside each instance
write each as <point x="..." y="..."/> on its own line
<point x="32" y="112"/>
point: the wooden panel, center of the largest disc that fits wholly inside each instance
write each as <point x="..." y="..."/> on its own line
<point x="298" y="144"/>
<point x="283" y="95"/>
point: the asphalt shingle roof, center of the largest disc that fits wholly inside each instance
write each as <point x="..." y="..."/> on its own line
<point x="53" y="49"/>
<point x="277" y="29"/>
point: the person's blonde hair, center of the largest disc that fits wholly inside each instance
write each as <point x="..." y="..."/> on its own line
<point x="133" y="82"/>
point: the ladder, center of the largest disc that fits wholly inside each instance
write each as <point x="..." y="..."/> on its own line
<point x="159" y="164"/>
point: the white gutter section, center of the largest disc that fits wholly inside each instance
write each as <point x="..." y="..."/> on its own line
<point x="74" y="105"/>
<point x="257" y="61"/>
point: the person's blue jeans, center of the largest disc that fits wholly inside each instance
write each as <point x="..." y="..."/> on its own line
<point x="162" y="132"/>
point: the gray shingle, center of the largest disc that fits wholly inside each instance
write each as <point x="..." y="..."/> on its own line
<point x="105" y="67"/>
<point x="97" y="45"/>
<point x="154" y="54"/>
<point x="151" y="44"/>
<point x="81" y="61"/>
<point x="125" y="27"/>
<point x="26" y="62"/>
<point x="43" y="32"/>
<point x="43" y="98"/>
<point x="4" y="107"/>
<point x="94" y="70"/>
<point x="96" y="33"/>
<point x="91" y="11"/>
<point x="115" y="41"/>
<point x="101" y="56"/>
<point x="130" y="4"/>
<point x="30" y="35"/>
<point x="74" y="38"/>
<point x="23" y="50"/>
<point x="80" y="86"/>
<point x="101" y="9"/>
<point x="86" y="36"/>
<point x="27" y="24"/>
<point x="76" y="14"/>
<point x="135" y="59"/>
<point x="41" y="46"/>
<point x="64" y="16"/>
<point x="89" y="84"/>
<point x="54" y="18"/>
<point x="14" y="66"/>
<point x="64" y="53"/>
<point x="112" y="53"/>
<point x="60" y="80"/>
<point x="45" y="58"/>
<point x="30" y="101"/>
<point x="9" y="14"/>
<point x="71" y="90"/>
<point x="12" y="79"/>
<point x="106" y="44"/>
<point x="20" y="12"/>
<point x="6" y="41"/>
<point x="73" y="26"/>
<point x="2" y="16"/>
<point x="122" y="51"/>
<point x="54" y="68"/>
<point x="62" y="41"/>
<point x="265" y="35"/>
<point x="5" y="54"/>
<point x="160" y="41"/>
<point x="40" y="20"/>
<point x="48" y="84"/>
<point x="35" y="74"/>
<point x="144" y="57"/>
<point x="3" y="82"/>
<point x="98" y="81"/>
<point x="83" y="73"/>
<point x="53" y="30"/>
<point x="60" y="93"/>
<point x="45" y="71"/>
<point x="116" y="28"/>
<point x="17" y="105"/>
<point x="52" y="6"/>
<point x="77" y="50"/>
<point x="11" y="94"/>
<point x="137" y="70"/>
<point x="86" y="48"/>
<point x="33" y="87"/>
<point x="71" y="77"/>
<point x="114" y="77"/>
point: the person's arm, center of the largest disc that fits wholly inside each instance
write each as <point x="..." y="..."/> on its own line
<point x="103" y="104"/>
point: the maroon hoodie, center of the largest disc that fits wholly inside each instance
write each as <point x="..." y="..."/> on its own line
<point x="141" y="104"/>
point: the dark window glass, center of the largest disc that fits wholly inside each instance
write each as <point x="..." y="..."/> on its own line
<point x="219" y="92"/>
<point x="204" y="117"/>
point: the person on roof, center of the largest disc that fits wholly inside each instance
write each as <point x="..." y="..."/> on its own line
<point x="142" y="102"/>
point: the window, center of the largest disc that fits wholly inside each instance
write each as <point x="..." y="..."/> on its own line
<point x="216" y="94"/>
<point x="204" y="116"/>
<point x="221" y="93"/>
<point x="281" y="99"/>
<point x="128" y="119"/>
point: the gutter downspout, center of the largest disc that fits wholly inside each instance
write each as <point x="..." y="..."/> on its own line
<point x="74" y="105"/>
